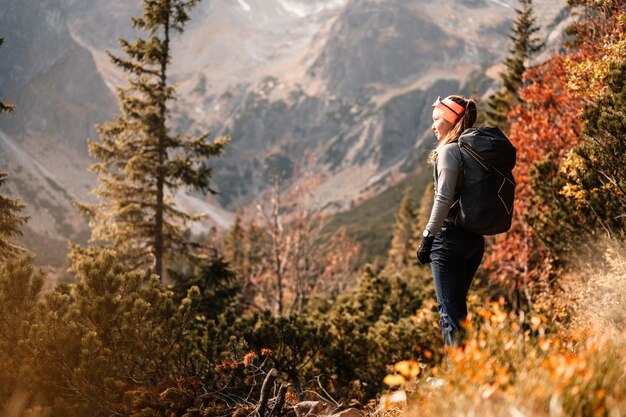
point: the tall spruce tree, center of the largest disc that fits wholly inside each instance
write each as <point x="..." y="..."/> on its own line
<point x="400" y="254"/>
<point x="142" y="163"/>
<point x="5" y="108"/>
<point x="234" y="243"/>
<point x="525" y="45"/>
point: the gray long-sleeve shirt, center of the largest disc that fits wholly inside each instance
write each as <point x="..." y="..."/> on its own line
<point x="448" y="176"/>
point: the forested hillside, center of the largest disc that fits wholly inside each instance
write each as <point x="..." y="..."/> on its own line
<point x="293" y="312"/>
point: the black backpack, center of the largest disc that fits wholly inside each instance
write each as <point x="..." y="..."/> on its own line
<point x="485" y="204"/>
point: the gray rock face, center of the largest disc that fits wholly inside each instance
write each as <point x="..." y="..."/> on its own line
<point x="381" y="43"/>
<point x="36" y="42"/>
<point x="60" y="96"/>
<point x="406" y="117"/>
<point x="272" y="137"/>
<point x="53" y="81"/>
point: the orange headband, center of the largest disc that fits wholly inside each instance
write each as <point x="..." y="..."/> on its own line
<point x="448" y="109"/>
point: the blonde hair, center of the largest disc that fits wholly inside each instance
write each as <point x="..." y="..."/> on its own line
<point x="464" y="122"/>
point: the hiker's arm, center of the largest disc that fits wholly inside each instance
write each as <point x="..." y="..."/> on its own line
<point x="448" y="166"/>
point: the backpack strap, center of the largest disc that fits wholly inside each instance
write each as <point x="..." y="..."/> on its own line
<point x="471" y="152"/>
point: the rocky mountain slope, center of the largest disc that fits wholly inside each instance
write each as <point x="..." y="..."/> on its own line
<point x="333" y="95"/>
<point x="59" y="95"/>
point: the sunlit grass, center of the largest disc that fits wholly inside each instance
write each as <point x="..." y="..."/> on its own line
<point x="527" y="364"/>
<point x="517" y="366"/>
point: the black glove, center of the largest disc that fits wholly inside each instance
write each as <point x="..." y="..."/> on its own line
<point x="423" y="252"/>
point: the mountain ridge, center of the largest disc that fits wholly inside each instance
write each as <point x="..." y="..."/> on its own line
<point x="331" y="94"/>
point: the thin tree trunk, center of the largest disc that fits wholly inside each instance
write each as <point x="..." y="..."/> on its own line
<point x="277" y="257"/>
<point x="158" y="238"/>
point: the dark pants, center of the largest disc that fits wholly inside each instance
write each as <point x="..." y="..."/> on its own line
<point x="455" y="255"/>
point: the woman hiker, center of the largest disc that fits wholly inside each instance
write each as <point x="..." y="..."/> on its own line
<point x="455" y="253"/>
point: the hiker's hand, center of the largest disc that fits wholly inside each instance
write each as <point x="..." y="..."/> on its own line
<point x="423" y="252"/>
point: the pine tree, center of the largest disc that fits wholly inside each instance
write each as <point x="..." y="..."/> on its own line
<point x="20" y="285"/>
<point x="423" y="215"/>
<point x="234" y="243"/>
<point x="525" y="45"/>
<point x="108" y="336"/>
<point x="142" y="163"/>
<point x="213" y="276"/>
<point x="400" y="254"/>
<point x="5" y="108"/>
<point x="10" y="222"/>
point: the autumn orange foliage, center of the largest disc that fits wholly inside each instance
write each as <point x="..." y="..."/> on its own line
<point x="513" y="365"/>
<point x="544" y="127"/>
